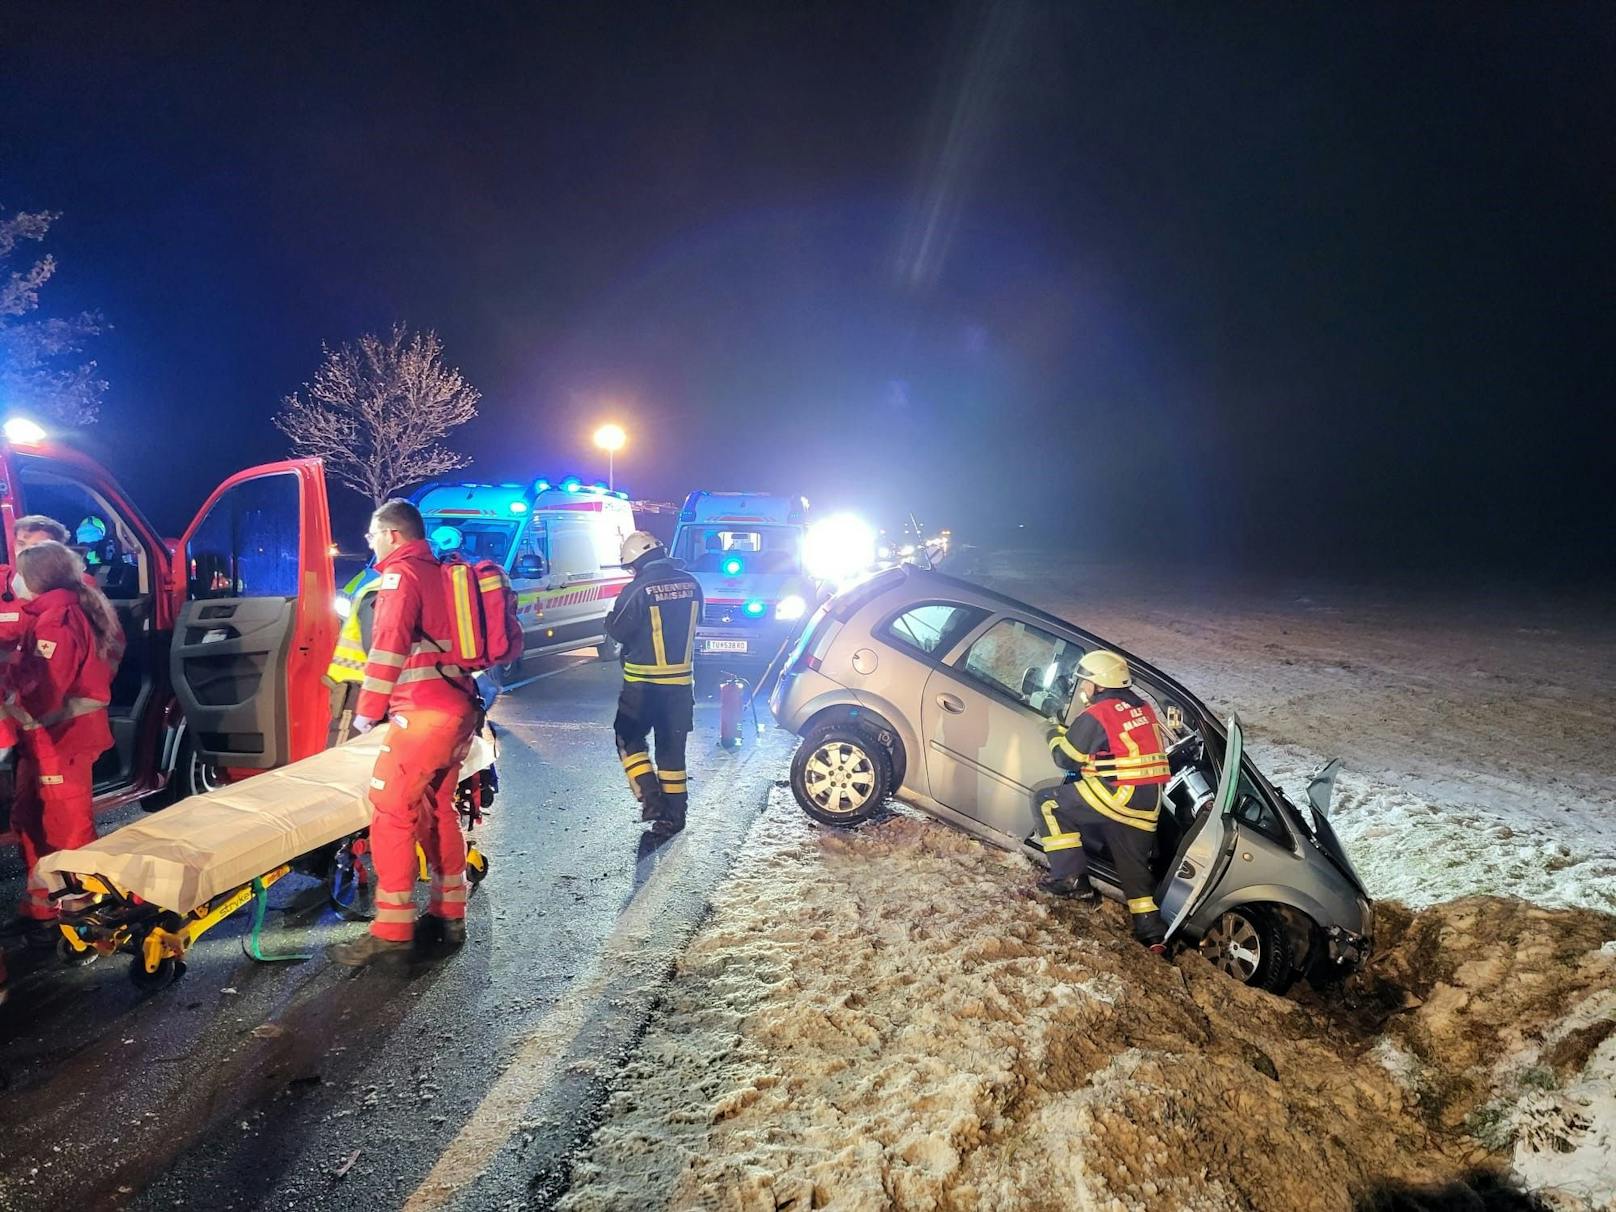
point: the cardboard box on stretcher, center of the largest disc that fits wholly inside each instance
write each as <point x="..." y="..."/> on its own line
<point x="207" y="845"/>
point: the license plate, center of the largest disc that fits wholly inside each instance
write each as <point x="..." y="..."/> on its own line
<point x="723" y="645"/>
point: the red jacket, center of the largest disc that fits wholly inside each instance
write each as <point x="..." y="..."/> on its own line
<point x="408" y="665"/>
<point x="61" y="686"/>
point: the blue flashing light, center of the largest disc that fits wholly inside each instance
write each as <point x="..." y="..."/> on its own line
<point x="518" y="506"/>
<point x="621" y="496"/>
<point x="600" y="484"/>
<point x="754" y="608"/>
<point x="541" y="485"/>
<point x="571" y="484"/>
<point x="733" y="567"/>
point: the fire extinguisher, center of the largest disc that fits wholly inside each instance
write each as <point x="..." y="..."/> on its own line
<point x="731" y="698"/>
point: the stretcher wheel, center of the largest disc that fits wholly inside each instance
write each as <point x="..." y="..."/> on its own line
<point x="168" y="971"/>
<point x="71" y="958"/>
<point x="476" y="866"/>
<point x="351" y="885"/>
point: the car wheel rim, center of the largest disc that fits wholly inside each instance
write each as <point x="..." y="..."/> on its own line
<point x="840" y="778"/>
<point x="1234" y="945"/>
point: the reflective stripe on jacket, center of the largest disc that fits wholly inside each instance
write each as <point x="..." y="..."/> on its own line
<point x="61" y="686"/>
<point x="654" y="619"/>
<point x="409" y="664"/>
<point x="1116" y="748"/>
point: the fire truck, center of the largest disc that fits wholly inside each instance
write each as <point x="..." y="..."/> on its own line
<point x="559" y="542"/>
<point x="230" y="626"/>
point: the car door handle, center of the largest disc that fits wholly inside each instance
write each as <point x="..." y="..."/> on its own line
<point x="950" y="704"/>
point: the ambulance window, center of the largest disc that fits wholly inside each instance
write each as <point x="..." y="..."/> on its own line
<point x="104" y="540"/>
<point x="248" y="545"/>
<point x="533" y="553"/>
<point x="1026" y="663"/>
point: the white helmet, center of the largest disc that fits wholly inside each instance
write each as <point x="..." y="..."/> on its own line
<point x="1104" y="669"/>
<point x="639" y="544"/>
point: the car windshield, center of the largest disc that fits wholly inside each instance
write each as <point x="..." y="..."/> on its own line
<point x="474" y="538"/>
<point x="733" y="550"/>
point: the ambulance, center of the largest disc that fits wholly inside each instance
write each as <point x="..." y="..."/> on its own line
<point x="559" y="542"/>
<point x="748" y="551"/>
<point x="229" y="627"/>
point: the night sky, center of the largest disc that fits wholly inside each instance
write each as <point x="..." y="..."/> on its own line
<point x="1278" y="286"/>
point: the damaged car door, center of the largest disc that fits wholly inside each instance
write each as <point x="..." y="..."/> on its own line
<point x="1204" y="853"/>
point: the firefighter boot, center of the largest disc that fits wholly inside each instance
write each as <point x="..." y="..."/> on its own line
<point x="1151" y="931"/>
<point x="433" y="933"/>
<point x="1072" y="887"/>
<point x="357" y="952"/>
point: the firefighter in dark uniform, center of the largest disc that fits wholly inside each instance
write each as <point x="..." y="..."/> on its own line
<point x="1116" y="751"/>
<point x="654" y="619"/>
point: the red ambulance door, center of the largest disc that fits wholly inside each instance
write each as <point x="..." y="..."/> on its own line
<point x="255" y="623"/>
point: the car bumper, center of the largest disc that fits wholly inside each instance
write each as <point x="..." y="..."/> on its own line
<point x="760" y="643"/>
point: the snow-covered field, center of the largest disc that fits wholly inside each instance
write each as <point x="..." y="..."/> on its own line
<point x="892" y="1018"/>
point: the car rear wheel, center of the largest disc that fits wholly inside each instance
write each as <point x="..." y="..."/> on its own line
<point x="840" y="775"/>
<point x="1250" y="944"/>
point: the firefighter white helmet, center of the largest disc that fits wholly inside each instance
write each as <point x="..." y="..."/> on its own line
<point x="638" y="545"/>
<point x="1104" y="669"/>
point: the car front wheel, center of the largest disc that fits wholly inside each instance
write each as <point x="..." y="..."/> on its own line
<point x="840" y="775"/>
<point x="1250" y="944"/>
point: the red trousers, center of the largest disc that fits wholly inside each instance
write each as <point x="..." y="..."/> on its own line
<point x="51" y="811"/>
<point x="412" y="791"/>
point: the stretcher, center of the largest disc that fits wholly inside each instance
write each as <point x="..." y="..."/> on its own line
<point x="154" y="887"/>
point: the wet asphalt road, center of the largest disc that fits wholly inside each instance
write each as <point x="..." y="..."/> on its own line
<point x="463" y="1084"/>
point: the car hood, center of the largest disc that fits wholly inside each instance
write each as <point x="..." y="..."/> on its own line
<point x="763" y="587"/>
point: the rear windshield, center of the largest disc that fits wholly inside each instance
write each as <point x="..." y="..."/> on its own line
<point x="736" y="549"/>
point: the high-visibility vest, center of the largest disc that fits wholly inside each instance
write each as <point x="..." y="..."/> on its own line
<point x="353" y="641"/>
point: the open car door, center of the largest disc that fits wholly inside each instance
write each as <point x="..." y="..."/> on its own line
<point x="1204" y="853"/>
<point x="255" y="623"/>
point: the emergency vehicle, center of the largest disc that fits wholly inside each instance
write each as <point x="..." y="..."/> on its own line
<point x="559" y="543"/>
<point x="229" y="627"/>
<point x="747" y="550"/>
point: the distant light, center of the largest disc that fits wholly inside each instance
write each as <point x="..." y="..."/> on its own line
<point x="610" y="437"/>
<point x="541" y="485"/>
<point x="790" y="609"/>
<point x="754" y="608"/>
<point x="732" y="567"/>
<point x="24" y="432"/>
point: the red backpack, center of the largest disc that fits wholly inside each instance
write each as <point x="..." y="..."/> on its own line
<point x="483" y="627"/>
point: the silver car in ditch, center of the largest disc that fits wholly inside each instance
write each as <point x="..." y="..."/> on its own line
<point x="939" y="693"/>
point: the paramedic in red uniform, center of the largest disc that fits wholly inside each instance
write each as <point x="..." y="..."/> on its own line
<point x="58" y="689"/>
<point x="1115" y="748"/>
<point x="433" y="707"/>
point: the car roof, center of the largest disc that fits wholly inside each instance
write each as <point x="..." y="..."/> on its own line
<point x="929" y="582"/>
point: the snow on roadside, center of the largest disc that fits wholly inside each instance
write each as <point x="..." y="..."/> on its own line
<point x="891" y="1018"/>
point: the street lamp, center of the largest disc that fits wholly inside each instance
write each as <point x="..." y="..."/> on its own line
<point x="610" y="438"/>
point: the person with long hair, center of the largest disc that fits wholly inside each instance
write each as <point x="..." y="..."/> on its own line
<point x="59" y="688"/>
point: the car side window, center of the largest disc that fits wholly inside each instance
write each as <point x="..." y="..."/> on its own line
<point x="1026" y="663"/>
<point x="1253" y="809"/>
<point x="934" y="627"/>
<point x="533" y="553"/>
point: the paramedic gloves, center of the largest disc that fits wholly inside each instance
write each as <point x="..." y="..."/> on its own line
<point x="363" y="724"/>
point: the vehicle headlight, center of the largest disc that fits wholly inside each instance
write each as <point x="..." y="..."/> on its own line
<point x="344" y="605"/>
<point x="791" y="608"/>
<point x="838" y="547"/>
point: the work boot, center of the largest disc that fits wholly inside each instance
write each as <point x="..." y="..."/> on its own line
<point x="665" y="828"/>
<point x="1071" y="887"/>
<point x="1151" y="932"/>
<point x="357" y="952"/>
<point x="652" y="806"/>
<point x="432" y="931"/>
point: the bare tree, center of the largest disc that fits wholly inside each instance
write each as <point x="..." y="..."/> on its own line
<point x="40" y="372"/>
<point x="378" y="410"/>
